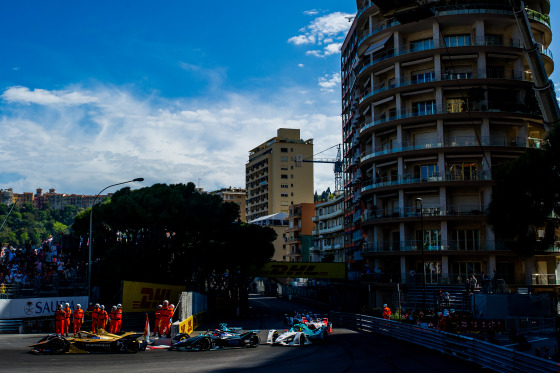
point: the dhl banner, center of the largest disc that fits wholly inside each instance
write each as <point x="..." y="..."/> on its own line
<point x="303" y="270"/>
<point x="187" y="326"/>
<point x="145" y="297"/>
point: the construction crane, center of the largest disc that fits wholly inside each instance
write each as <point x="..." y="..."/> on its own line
<point x="336" y="161"/>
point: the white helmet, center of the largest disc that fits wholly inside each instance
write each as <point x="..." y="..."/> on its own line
<point x="102" y="306"/>
<point x="119" y="306"/>
<point x="66" y="304"/>
<point x="114" y="307"/>
<point x="78" y="306"/>
<point x="97" y="306"/>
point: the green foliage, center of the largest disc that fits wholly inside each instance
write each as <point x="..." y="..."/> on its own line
<point x="526" y="193"/>
<point x="324" y="196"/>
<point x="28" y="224"/>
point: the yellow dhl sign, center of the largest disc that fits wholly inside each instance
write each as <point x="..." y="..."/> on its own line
<point x="187" y="325"/>
<point x="145" y="297"/>
<point x="303" y="270"/>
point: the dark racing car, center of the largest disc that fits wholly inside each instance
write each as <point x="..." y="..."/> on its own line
<point x="86" y="342"/>
<point x="215" y="340"/>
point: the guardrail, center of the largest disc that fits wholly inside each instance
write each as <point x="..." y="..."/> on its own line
<point x="498" y="358"/>
<point x="11" y="326"/>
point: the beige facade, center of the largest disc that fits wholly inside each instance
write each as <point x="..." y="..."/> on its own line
<point x="276" y="175"/>
<point x="234" y="195"/>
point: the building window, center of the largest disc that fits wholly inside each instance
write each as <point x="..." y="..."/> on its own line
<point x="465" y="240"/>
<point x="460" y="40"/>
<point x="423" y="44"/>
<point x="423" y="77"/>
<point x="284" y="194"/>
<point x="432" y="240"/>
<point x="423" y="108"/>
<point x="284" y="168"/>
<point x="463" y="171"/>
<point x="284" y="150"/>
<point x="283" y="186"/>
<point x="283" y="176"/>
<point x="284" y="158"/>
<point x="457" y="105"/>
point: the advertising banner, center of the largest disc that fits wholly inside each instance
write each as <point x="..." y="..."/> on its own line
<point x="187" y="325"/>
<point x="303" y="270"/>
<point x="145" y="297"/>
<point x="37" y="307"/>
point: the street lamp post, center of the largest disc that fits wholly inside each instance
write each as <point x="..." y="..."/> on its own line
<point x="91" y="230"/>
<point x="419" y="199"/>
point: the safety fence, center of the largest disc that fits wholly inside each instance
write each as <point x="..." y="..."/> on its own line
<point x="498" y="358"/>
<point x="11" y="326"/>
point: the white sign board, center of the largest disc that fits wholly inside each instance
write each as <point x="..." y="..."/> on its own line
<point x="37" y="307"/>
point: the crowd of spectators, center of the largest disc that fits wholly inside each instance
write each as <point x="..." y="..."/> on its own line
<point x="38" y="268"/>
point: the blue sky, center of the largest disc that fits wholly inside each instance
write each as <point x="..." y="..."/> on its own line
<point x="98" y="92"/>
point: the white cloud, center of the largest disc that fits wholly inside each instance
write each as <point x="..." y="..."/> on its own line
<point x="311" y="12"/>
<point x="302" y="39"/>
<point x="58" y="143"/>
<point x="327" y="83"/>
<point x="23" y="95"/>
<point x="300" y="65"/>
<point x="327" y="31"/>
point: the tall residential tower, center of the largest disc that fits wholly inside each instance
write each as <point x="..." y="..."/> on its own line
<point x="433" y="100"/>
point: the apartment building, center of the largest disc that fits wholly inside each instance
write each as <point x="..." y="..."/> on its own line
<point x="299" y="234"/>
<point x="431" y="105"/>
<point x="234" y="195"/>
<point x="328" y="243"/>
<point x="276" y="175"/>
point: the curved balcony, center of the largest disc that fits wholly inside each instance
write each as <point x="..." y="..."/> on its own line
<point x="453" y="10"/>
<point x="453" y="142"/>
<point x="496" y="107"/>
<point x="486" y="41"/>
<point x="446" y="76"/>
<point x="412" y="178"/>
<point x="465" y="210"/>
<point x="416" y="246"/>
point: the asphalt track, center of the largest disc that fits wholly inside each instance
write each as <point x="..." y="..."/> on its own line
<point x="345" y="351"/>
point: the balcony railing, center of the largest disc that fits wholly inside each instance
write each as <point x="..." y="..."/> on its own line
<point x="411" y="178"/>
<point x="481" y="106"/>
<point x="445" y="75"/>
<point x="413" y="211"/>
<point x="453" y="141"/>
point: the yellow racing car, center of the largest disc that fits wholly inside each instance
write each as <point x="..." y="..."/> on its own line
<point x="86" y="342"/>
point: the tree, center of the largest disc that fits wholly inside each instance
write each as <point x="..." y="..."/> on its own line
<point x="526" y="198"/>
<point x="173" y="234"/>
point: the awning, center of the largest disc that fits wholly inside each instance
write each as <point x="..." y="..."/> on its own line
<point x="377" y="45"/>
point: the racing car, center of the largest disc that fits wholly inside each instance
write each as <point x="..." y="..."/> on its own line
<point x="215" y="340"/>
<point x="299" y="335"/>
<point x="86" y="342"/>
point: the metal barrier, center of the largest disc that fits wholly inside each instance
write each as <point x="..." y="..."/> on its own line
<point x="498" y="358"/>
<point x="11" y="326"/>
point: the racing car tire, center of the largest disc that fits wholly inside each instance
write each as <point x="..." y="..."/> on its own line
<point x="302" y="340"/>
<point x="254" y="342"/>
<point x="205" y="344"/>
<point x="60" y="346"/>
<point x="132" y="347"/>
